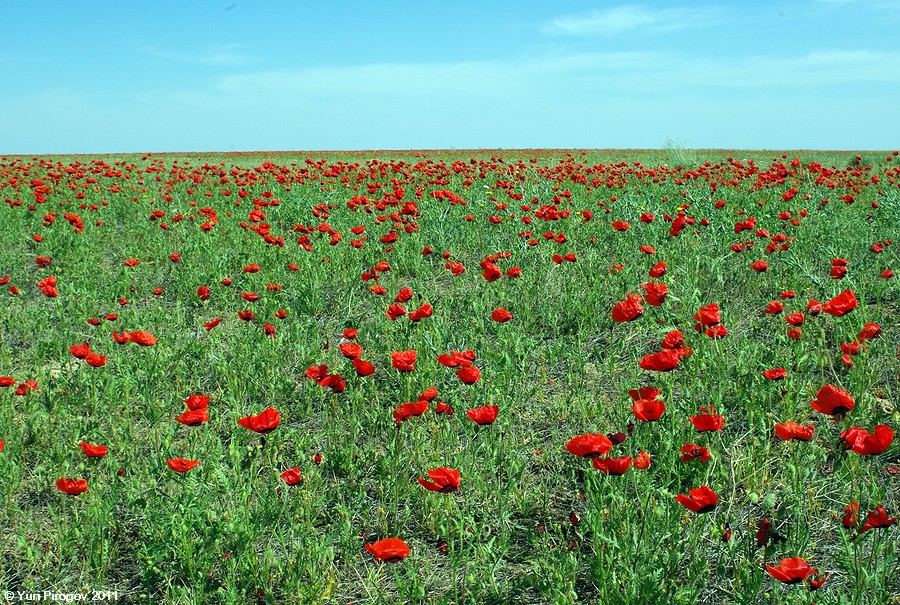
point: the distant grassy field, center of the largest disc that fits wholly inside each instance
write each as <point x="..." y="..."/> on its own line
<point x="282" y="354"/>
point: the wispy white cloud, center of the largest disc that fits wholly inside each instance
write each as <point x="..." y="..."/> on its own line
<point x="573" y="73"/>
<point x="566" y="99"/>
<point x="630" y="17"/>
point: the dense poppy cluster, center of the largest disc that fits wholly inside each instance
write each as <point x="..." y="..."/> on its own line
<point x="368" y="216"/>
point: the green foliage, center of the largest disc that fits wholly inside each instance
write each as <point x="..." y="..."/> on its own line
<point x="530" y="523"/>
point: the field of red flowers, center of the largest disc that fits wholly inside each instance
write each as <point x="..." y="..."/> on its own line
<point x="448" y="377"/>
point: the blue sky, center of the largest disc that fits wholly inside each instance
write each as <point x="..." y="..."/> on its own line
<point x="235" y="75"/>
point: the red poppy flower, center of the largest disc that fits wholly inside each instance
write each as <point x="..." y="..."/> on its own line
<point x="700" y="500"/>
<point x="841" y="304"/>
<point x="663" y="361"/>
<point x="617" y="438"/>
<point x="404" y="361"/>
<point x="73" y="487"/>
<point x="246" y="315"/>
<point x="121" y="338"/>
<point x="718" y="331"/>
<point x="865" y="444"/>
<point x="335" y="382"/>
<point x="80" y="350"/>
<point x="818" y="582"/>
<point x="181" y="465"/>
<point x="833" y="401"/>
<point x="869" y="331"/>
<point x="759" y="266"/>
<point x="317" y="373"/>
<point x="95" y="360"/>
<point x="483" y="415"/>
<point x="469" y="375"/>
<point x="620" y="226"/>
<point x="689" y="451"/>
<point x="26" y="387"/>
<point x="612" y="466"/>
<point x="590" y="445"/>
<point x="194" y="417"/>
<point x="350" y="333"/>
<point x="455" y="358"/>
<point x="644" y="393"/>
<point x="628" y="309"/>
<point x="851" y="515"/>
<point x="708" y="420"/>
<point x="42" y="262"/>
<point x="838" y="272"/>
<point x="877" y="518"/>
<point x="145" y="339"/>
<point x="93" y="451"/>
<point x="203" y="292"/>
<point x="887" y="274"/>
<point x="655" y="293"/>
<point x="814" y="307"/>
<point x="443" y="480"/>
<point x="657" y="270"/>
<point x="791" y="430"/>
<point x="47" y="286"/>
<point x="428" y="394"/>
<point x="642" y="461"/>
<point x="363" y="368"/>
<point x="292" y="476"/>
<point x="7" y="381"/>
<point x="456" y="268"/>
<point x="851" y="348"/>
<point x="708" y="315"/>
<point x="265" y="422"/>
<point x="775" y="374"/>
<point x="648" y="249"/>
<point x="674" y="339"/>
<point x="395" y="311"/>
<point x="501" y="315"/>
<point x="773" y="308"/>
<point x="795" y="319"/>
<point x="350" y="350"/>
<point x="514" y="272"/>
<point x="792" y="570"/>
<point x="250" y="296"/>
<point x="212" y="324"/>
<point x="648" y="410"/>
<point x="405" y="411"/>
<point x="94" y="321"/>
<point x="490" y="271"/>
<point x="390" y="550"/>
<point x="252" y="268"/>
<point x="175" y="257"/>
<point x="421" y="313"/>
<point x="443" y="408"/>
<point x="795" y="333"/>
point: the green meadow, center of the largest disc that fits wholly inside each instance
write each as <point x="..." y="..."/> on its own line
<point x="231" y="329"/>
